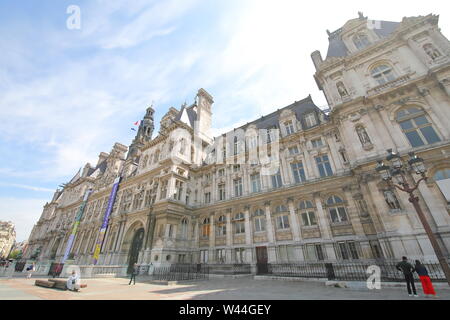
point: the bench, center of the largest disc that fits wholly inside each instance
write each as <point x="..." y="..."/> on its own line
<point x="55" y="283"/>
<point x="43" y="283"/>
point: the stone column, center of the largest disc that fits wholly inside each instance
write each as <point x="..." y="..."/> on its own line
<point x="212" y="238"/>
<point x="271" y="247"/>
<point x="295" y="228"/>
<point x="324" y="226"/>
<point x="228" y="253"/>
<point x="248" y="228"/>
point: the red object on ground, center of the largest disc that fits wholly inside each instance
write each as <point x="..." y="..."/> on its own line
<point x="427" y="285"/>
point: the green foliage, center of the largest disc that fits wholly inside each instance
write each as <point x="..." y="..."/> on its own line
<point x="15" y="254"/>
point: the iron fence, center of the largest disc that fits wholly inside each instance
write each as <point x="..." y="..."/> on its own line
<point x="354" y="270"/>
<point x="177" y="272"/>
<point x="230" y="268"/>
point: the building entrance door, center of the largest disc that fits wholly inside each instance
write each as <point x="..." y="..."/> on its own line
<point x="261" y="260"/>
<point x="136" y="246"/>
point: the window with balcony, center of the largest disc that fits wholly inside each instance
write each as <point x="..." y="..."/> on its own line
<point x="416" y="127"/>
<point x="382" y="74"/>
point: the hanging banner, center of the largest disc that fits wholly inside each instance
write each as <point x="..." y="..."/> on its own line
<point x="101" y="236"/>
<point x="78" y="217"/>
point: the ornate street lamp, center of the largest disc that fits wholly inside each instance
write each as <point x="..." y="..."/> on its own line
<point x="397" y="172"/>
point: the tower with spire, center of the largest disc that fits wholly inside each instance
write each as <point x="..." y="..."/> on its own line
<point x="143" y="134"/>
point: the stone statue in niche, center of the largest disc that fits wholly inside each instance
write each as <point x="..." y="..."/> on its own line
<point x="391" y="199"/>
<point x="363" y="136"/>
<point x="431" y="51"/>
<point x="341" y="89"/>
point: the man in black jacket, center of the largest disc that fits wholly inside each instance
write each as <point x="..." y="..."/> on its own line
<point x="407" y="270"/>
<point x="134" y="272"/>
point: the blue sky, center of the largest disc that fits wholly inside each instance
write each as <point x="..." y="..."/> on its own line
<point x="66" y="95"/>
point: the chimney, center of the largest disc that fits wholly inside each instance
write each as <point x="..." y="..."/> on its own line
<point x="102" y="157"/>
<point x="317" y="59"/>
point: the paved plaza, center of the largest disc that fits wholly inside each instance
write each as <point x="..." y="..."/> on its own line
<point x="214" y="289"/>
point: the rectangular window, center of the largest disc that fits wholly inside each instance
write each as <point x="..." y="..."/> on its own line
<point x="163" y="190"/>
<point x="203" y="256"/>
<point x="310" y="120"/>
<point x="238" y="187"/>
<point x="343" y="250"/>
<point x="289" y="127"/>
<point x="298" y="172"/>
<point x="239" y="227"/>
<point x="353" y="251"/>
<point x="323" y="164"/>
<point x="178" y="189"/>
<point x="309" y="218"/>
<point x="276" y="180"/>
<point x="260" y="224"/>
<point x="239" y="255"/>
<point x="283" y="222"/>
<point x="317" y="143"/>
<point x="221" y="189"/>
<point x="293" y="150"/>
<point x="319" y="252"/>
<point x="221" y="172"/>
<point x="207" y="197"/>
<point x="220" y="255"/>
<point x="236" y="168"/>
<point x="256" y="182"/>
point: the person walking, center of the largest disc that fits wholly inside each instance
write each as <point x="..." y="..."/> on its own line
<point x="134" y="272"/>
<point x="407" y="269"/>
<point x="427" y="286"/>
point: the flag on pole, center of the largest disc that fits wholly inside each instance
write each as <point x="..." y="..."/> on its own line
<point x="137" y="123"/>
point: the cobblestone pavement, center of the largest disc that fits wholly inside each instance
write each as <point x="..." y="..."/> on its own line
<point x="220" y="289"/>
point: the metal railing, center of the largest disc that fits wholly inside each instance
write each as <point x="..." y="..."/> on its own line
<point x="352" y="270"/>
<point x="177" y="272"/>
<point x="229" y="268"/>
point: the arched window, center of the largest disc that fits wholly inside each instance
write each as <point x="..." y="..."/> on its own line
<point x="235" y="146"/>
<point x="341" y="89"/>
<point x="259" y="220"/>
<point x="306" y="210"/>
<point x="280" y="208"/>
<point x="184" y="228"/>
<point x="416" y="126"/>
<point x="206" y="227"/>
<point x="382" y="73"/>
<point x="221" y="226"/>
<point x="239" y="224"/>
<point x="431" y="51"/>
<point x="442" y="174"/>
<point x="442" y="179"/>
<point x="337" y="210"/>
<point x="361" y="41"/>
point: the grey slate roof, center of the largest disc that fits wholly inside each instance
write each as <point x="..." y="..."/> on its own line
<point x="191" y="113"/>
<point x="300" y="108"/>
<point x="337" y="47"/>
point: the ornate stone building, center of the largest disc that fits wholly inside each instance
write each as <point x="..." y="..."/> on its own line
<point x="387" y="85"/>
<point x="7" y="238"/>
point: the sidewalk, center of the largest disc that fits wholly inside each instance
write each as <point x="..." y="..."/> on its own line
<point x="221" y="289"/>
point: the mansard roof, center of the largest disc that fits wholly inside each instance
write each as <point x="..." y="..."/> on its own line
<point x="337" y="47"/>
<point x="188" y="115"/>
<point x="300" y="108"/>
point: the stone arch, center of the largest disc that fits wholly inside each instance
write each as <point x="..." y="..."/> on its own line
<point x="129" y="234"/>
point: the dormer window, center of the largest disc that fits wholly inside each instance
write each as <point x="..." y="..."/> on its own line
<point x="289" y="127"/>
<point x="431" y="51"/>
<point x="361" y="41"/>
<point x="310" y="120"/>
<point x="382" y="73"/>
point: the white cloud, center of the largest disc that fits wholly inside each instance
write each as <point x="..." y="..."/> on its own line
<point x="22" y="212"/>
